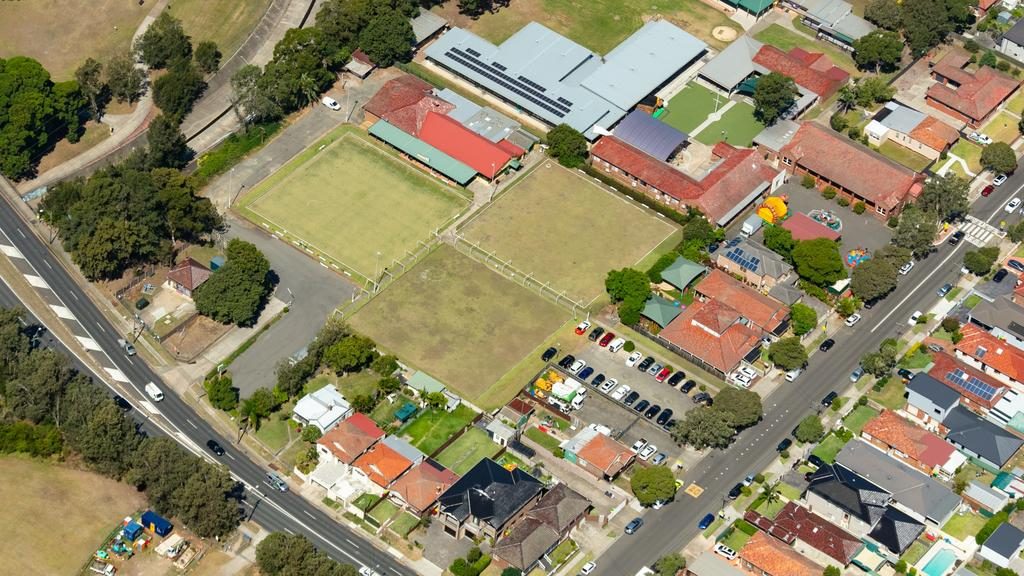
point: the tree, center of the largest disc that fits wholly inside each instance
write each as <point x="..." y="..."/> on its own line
<point x="670" y="564"/>
<point x="248" y="100"/>
<point x="257" y="407"/>
<point x="846" y="307"/>
<point x="90" y="79"/>
<point x="788" y="353"/>
<point x="125" y="81"/>
<point x="350" y="355"/>
<point x="810" y="429"/>
<point x="167" y="147"/>
<point x="999" y="157"/>
<point x="567" y="145"/>
<point x="281" y="554"/>
<point x="389" y="385"/>
<point x="385" y="365"/>
<point x="164" y="43"/>
<point x="831" y="571"/>
<point x="879" y="364"/>
<point x="510" y="571"/>
<point x="176" y="91"/>
<point x="847" y="98"/>
<point x="704" y="428"/>
<point x="873" y="279"/>
<point x="818" y="261"/>
<point x="107" y="441"/>
<point x="884" y="13"/>
<point x="880" y="50"/>
<point x="364" y="403"/>
<point x="207" y="57"/>
<point x="221" y="393"/>
<point x="300" y="68"/>
<point x="236" y="292"/>
<point x="945" y="196"/>
<point x="774" y="95"/>
<point x="988" y="59"/>
<point x="979" y="262"/>
<point x="804" y="318"/>
<point x="838" y="123"/>
<point x="653" y="484"/>
<point x="780" y="241"/>
<point x="388" y="38"/>
<point x="435" y="400"/>
<point x="700" y="231"/>
<point x="108" y="251"/>
<point x="926" y="23"/>
<point x="186" y="216"/>
<point x="873" y="90"/>
<point x="630" y="289"/>
<point x="742" y="408"/>
<point x="916" y="230"/>
<point x="1016" y="232"/>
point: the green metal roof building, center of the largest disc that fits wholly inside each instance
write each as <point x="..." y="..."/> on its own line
<point x="682" y="272"/>
<point x="425" y="383"/>
<point x="660" y="311"/>
<point x="753" y="7"/>
<point x="425" y="153"/>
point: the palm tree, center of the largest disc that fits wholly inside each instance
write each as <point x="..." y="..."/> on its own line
<point x="771" y="493"/>
<point x="847" y="98"/>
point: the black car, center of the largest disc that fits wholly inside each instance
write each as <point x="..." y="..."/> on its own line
<point x="214" y="447"/>
<point x="1000" y="275"/>
<point x="1016" y="265"/>
<point x="669" y="425"/>
<point x="690" y="385"/>
<point x="664" y="417"/>
<point x="676" y="378"/>
<point x="713" y="247"/>
<point x="632" y="397"/>
<point x="815" y="461"/>
<point x="827" y="400"/>
<point x="585" y="373"/>
<point x="905" y="374"/>
<point x="122" y="404"/>
<point x="736" y="491"/>
<point x="641" y="405"/>
<point x="567" y="361"/>
<point x="869" y="304"/>
<point x="595" y="334"/>
<point x="549" y="354"/>
<point x="652" y="411"/>
<point x="827" y="345"/>
<point x="645" y="364"/>
<point x="598" y="380"/>
<point x="956" y="238"/>
<point x="703" y="398"/>
<point x="784" y="445"/>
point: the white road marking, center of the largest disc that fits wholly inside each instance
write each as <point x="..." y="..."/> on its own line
<point x="47" y="262"/>
<point x="116" y="374"/>
<point x="916" y="288"/>
<point x="36" y="281"/>
<point x="306" y="512"/>
<point x="62" y="312"/>
<point x="73" y="295"/>
<point x="89" y="343"/>
<point x="102" y="329"/>
<point x="22" y="234"/>
<point x="230" y="456"/>
<point x="191" y="423"/>
<point x="11" y="251"/>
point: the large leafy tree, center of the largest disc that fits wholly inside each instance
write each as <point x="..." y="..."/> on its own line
<point x="187" y="217"/>
<point x="567" y="145"/>
<point x="980" y="261"/>
<point x="387" y="38"/>
<point x="873" y="90"/>
<point x="670" y="564"/>
<point x="164" y="43"/>
<point x="281" y="554"/>
<point x="90" y="79"/>
<point x="742" y="408"/>
<point x="916" y="230"/>
<point x="299" y="70"/>
<point x="788" y="353"/>
<point x="780" y="241"/>
<point x="704" y="428"/>
<point x="818" y="261"/>
<point x="873" y="279"/>
<point x="653" y="484"/>
<point x="999" y="157"/>
<point x="249" y="100"/>
<point x="945" y="196"/>
<point x="167" y="147"/>
<point x="879" y="364"/>
<point x="176" y="91"/>
<point x="351" y="354"/>
<point x="880" y="51"/>
<point x="885" y="14"/>
<point x="926" y="23"/>
<point x="236" y="293"/>
<point x="125" y="81"/>
<point x="630" y="289"/>
<point x="810" y="429"/>
<point x="207" y="57"/>
<point x="804" y="318"/>
<point x="774" y="95"/>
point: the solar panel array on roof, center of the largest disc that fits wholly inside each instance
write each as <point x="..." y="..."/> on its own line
<point x="971" y="383"/>
<point x="746" y="261"/>
<point x="521" y="85"/>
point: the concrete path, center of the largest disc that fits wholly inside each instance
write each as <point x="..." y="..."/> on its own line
<point x="713" y="117"/>
<point x="954" y="159"/>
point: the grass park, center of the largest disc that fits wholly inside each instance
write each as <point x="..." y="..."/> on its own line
<point x="352" y="203"/>
<point x="461" y="322"/>
<point x="563" y="229"/>
<point x="691" y="106"/>
<point x="432" y="428"/>
<point x="737" y="126"/>
<point x="226" y="22"/>
<point x="52" y="508"/>
<point x="464" y="453"/>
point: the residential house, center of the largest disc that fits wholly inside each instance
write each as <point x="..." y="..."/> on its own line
<point x="501" y="433"/>
<point x="803" y="227"/>
<point x="349" y="439"/>
<point x="1003" y="546"/>
<point x="913" y="130"/>
<point x="929" y="401"/>
<point x="711" y="564"/>
<point x="734" y="183"/>
<point x="1012" y="41"/>
<point x="965" y="95"/>
<point x="984" y="498"/>
<point x="978" y="392"/>
<point x="915" y="493"/>
<point x="899" y="438"/>
<point x="992" y="356"/>
<point x="1002" y="316"/>
<point x="597" y="453"/>
<point x="543" y="528"/>
<point x="982" y="440"/>
<point x="382" y="465"/>
<point x="762" y="312"/>
<point x="418" y="489"/>
<point x="186" y="276"/>
<point x="486" y="500"/>
<point x="405" y="448"/>
<point x="811" y="535"/>
<point x="424" y="384"/>
<point x="323" y="408"/>
<point x="833" y="20"/>
<point x="883" y="185"/>
<point x="765" y="555"/>
<point x="757" y="265"/>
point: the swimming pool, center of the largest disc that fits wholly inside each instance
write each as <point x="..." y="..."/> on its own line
<point x="940" y="564"/>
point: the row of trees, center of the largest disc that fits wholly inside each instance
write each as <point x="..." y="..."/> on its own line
<point x="923" y="24"/>
<point x="715" y="427"/>
<point x="282" y="554"/>
<point x="39" y="390"/>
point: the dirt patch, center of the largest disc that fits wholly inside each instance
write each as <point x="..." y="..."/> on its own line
<point x="724" y="33"/>
<point x="198" y="334"/>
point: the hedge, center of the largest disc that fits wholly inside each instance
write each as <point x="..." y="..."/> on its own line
<point x="642" y="198"/>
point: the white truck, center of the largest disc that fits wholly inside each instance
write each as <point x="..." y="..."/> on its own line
<point x="751" y="225"/>
<point x="154" y="392"/>
<point x="567" y="395"/>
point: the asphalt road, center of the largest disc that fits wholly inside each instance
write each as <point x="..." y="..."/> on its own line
<point x="273" y="510"/>
<point x="669" y="529"/>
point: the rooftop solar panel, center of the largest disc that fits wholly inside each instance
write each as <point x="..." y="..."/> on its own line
<point x="971" y="384"/>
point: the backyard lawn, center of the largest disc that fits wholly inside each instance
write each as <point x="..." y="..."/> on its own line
<point x="464" y="453"/>
<point x="891" y="395"/>
<point x="828" y="448"/>
<point x="961" y="526"/>
<point x="384" y="413"/>
<point x="543" y="438"/>
<point x="916" y="551"/>
<point x="435" y="426"/>
<point x="919" y="360"/>
<point x="691" y="106"/>
<point x="785" y="39"/>
<point x="736" y="539"/>
<point x="970" y="152"/>
<point x="737" y="127"/>
<point x="904" y="156"/>
<point x="350" y="385"/>
<point x="856" y="420"/>
<point x="1002" y="128"/>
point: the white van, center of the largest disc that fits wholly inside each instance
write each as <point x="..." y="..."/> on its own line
<point x="154" y="392"/>
<point x="577" y="401"/>
<point x="616" y="345"/>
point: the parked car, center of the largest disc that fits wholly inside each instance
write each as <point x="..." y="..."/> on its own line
<point x="857" y="374"/>
<point x="123" y="404"/>
<point x="586" y="373"/>
<point x="641" y="405"/>
<point x="276" y="482"/>
<point x="633" y="359"/>
<point x="827" y="400"/>
<point x="661" y="457"/>
<point x="676" y="378"/>
<point x="634" y="525"/>
<point x="608" y="385"/>
<point x="689" y="385"/>
<point x="639" y="445"/>
<point x="664" y="417"/>
<point x="129" y="349"/>
<point x="827" y="345"/>
<point x="815" y="461"/>
<point x="852" y="319"/>
<point x="606" y="339"/>
<point x="703" y="398"/>
<point x="330" y="103"/>
<point x="652" y="411"/>
<point x="597" y="381"/>
<point x="566" y="361"/>
<point x="987" y="190"/>
<point x="1012" y="205"/>
<point x="670" y="425"/>
<point x="647" y="452"/>
<point x="784" y="445"/>
<point x="956" y="237"/>
<point x="577" y="366"/>
<point x="595" y="334"/>
<point x="741" y="380"/>
<point x="905" y="374"/>
<point x="215" y="447"/>
<point x="706" y="521"/>
<point x="631" y="398"/>
<point x="654" y="369"/>
<point x="946" y="288"/>
<point x="643" y="366"/>
<point x="915" y="317"/>
<point x="588" y="568"/>
<point x="582" y="327"/>
<point x="1016" y="265"/>
<point x="1000" y="275"/>
<point x="749" y="479"/>
<point x="792" y="374"/>
<point x="725" y="551"/>
<point x="747" y="371"/>
<point x="980" y="138"/>
<point x="549" y="354"/>
<point x="736" y="491"/>
<point x="999" y="180"/>
<point x="906" y="268"/>
<point x="616" y="345"/>
<point x="663" y="374"/>
<point x="621" y="392"/>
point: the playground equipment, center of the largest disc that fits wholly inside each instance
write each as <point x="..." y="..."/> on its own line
<point x="773" y="210"/>
<point x="828" y="218"/>
<point x="857" y="256"/>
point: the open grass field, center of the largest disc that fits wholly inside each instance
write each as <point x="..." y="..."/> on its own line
<point x="61" y="34"/>
<point x="464" y="453"/>
<point x="785" y="39"/>
<point x="599" y="25"/>
<point x="565" y="230"/>
<point x="226" y="22"/>
<point x="435" y="426"/>
<point x="904" y="156"/>
<point x="1002" y="128"/>
<point x="737" y="127"/>
<point x="459" y="321"/>
<point x="53" y="518"/>
<point x="690" y="107"/>
<point x="352" y="200"/>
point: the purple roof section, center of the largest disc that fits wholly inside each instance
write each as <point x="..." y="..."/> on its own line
<point x="650" y="135"/>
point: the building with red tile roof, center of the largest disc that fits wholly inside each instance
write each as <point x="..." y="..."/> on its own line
<point x="738" y="179"/>
<point x="597" y="453"/>
<point x="803" y="227"/>
<point x="966" y="95"/>
<point x="349" y="439"/>
<point x="798" y="525"/>
<point x="812" y="70"/>
<point x="882" y="184"/>
<point x="904" y="441"/>
<point x="944" y="369"/>
<point x="187" y="276"/>
<point x="765" y="555"/>
<point x="419" y="488"/>
<point x="406" y="90"/>
<point x="990" y="355"/>
<point x="382" y="464"/>
<point x="479" y="153"/>
<point x="935" y="134"/>
<point x="764" y="312"/>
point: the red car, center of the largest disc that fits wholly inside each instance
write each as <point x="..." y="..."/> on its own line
<point x="606" y="339"/>
<point x="582" y="328"/>
<point x="663" y="374"/>
<point x="987" y="190"/>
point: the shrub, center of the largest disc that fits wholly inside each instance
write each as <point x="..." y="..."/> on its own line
<point x="745" y="527"/>
<point x="1003" y="65"/>
<point x="853" y="133"/>
<point x="829" y="193"/>
<point x="807" y="181"/>
<point x="784" y="454"/>
<point x="746" y="491"/>
<point x="950" y="324"/>
<point x="838" y="122"/>
<point x="893" y="222"/>
<point x="221" y="394"/>
<point x="837" y="404"/>
<point x="629" y="346"/>
<point x="759" y="478"/>
<point x="859" y="208"/>
<point x="843" y="202"/>
<point x="862" y="401"/>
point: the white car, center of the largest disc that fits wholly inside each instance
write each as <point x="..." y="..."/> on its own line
<point x="725" y="551"/>
<point x="639" y="445"/>
<point x="906" y="268"/>
<point x="980" y="138"/>
<point x="588" y="568"/>
<point x="608" y="385"/>
<point x="853" y="319"/>
<point x="333" y="105"/>
<point x="621" y="392"/>
<point x="792" y="374"/>
<point x="747" y="371"/>
<point x="914" y="317"/>
<point x="658" y="504"/>
<point x="741" y="380"/>
<point x="1012" y="205"/>
<point x="577" y="366"/>
<point x="633" y="359"/>
<point x="616" y="345"/>
<point x="647" y="452"/>
<point x="998" y="181"/>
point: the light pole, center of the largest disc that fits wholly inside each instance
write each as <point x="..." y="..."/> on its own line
<point x="376" y="274"/>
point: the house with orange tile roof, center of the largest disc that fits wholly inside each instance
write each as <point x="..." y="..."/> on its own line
<point x="763" y="312"/>
<point x="382" y="465"/>
<point x="901" y="439"/>
<point x="419" y="488"/>
<point x="970" y="96"/>
<point x="597" y="453"/>
<point x="765" y="555"/>
<point x="809" y="534"/>
<point x="957" y="375"/>
<point x="349" y="440"/>
<point x="991" y="356"/>
<point x="186" y="276"/>
<point x="915" y="131"/>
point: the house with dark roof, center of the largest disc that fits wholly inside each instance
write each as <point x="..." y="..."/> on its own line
<point x="1002" y="316"/>
<point x="847" y="499"/>
<point x="929" y="401"/>
<point x="1012" y="41"/>
<point x="486" y="500"/>
<point x="880" y="183"/>
<point x="896" y="531"/>
<point x="765" y="555"/>
<point x="757" y="265"/>
<point x="979" y="438"/>
<point x="970" y="96"/>
<point x="811" y="535"/>
<point x="186" y="276"/>
<point x="545" y="526"/>
<point x="1003" y="546"/>
<point x="991" y="356"/>
<point x="597" y="453"/>
<point x="915" y="131"/>
<point x="419" y="488"/>
<point x="912" y="445"/>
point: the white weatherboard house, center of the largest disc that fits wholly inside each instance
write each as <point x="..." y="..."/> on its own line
<point x="323" y="408"/>
<point x="1003" y="545"/>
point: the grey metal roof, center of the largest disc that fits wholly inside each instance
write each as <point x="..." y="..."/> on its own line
<point x="1016" y="34"/>
<point x="853" y="27"/>
<point x="777" y="135"/>
<point x="1006" y="540"/>
<point x="896" y="531"/>
<point x="992" y="498"/>
<point x="826" y="11"/>
<point x="981" y="436"/>
<point x="908" y="486"/>
<point x="643" y="62"/>
<point x="650" y="135"/>
<point x="403" y="447"/>
<point x="935" y="391"/>
<point x="491" y="124"/>
<point x="733" y="64"/>
<point x="786" y="294"/>
<point x="710" y="564"/>
<point x="426" y="24"/>
<point x="898" y="117"/>
<point x="1002" y="313"/>
<point x="464" y="107"/>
